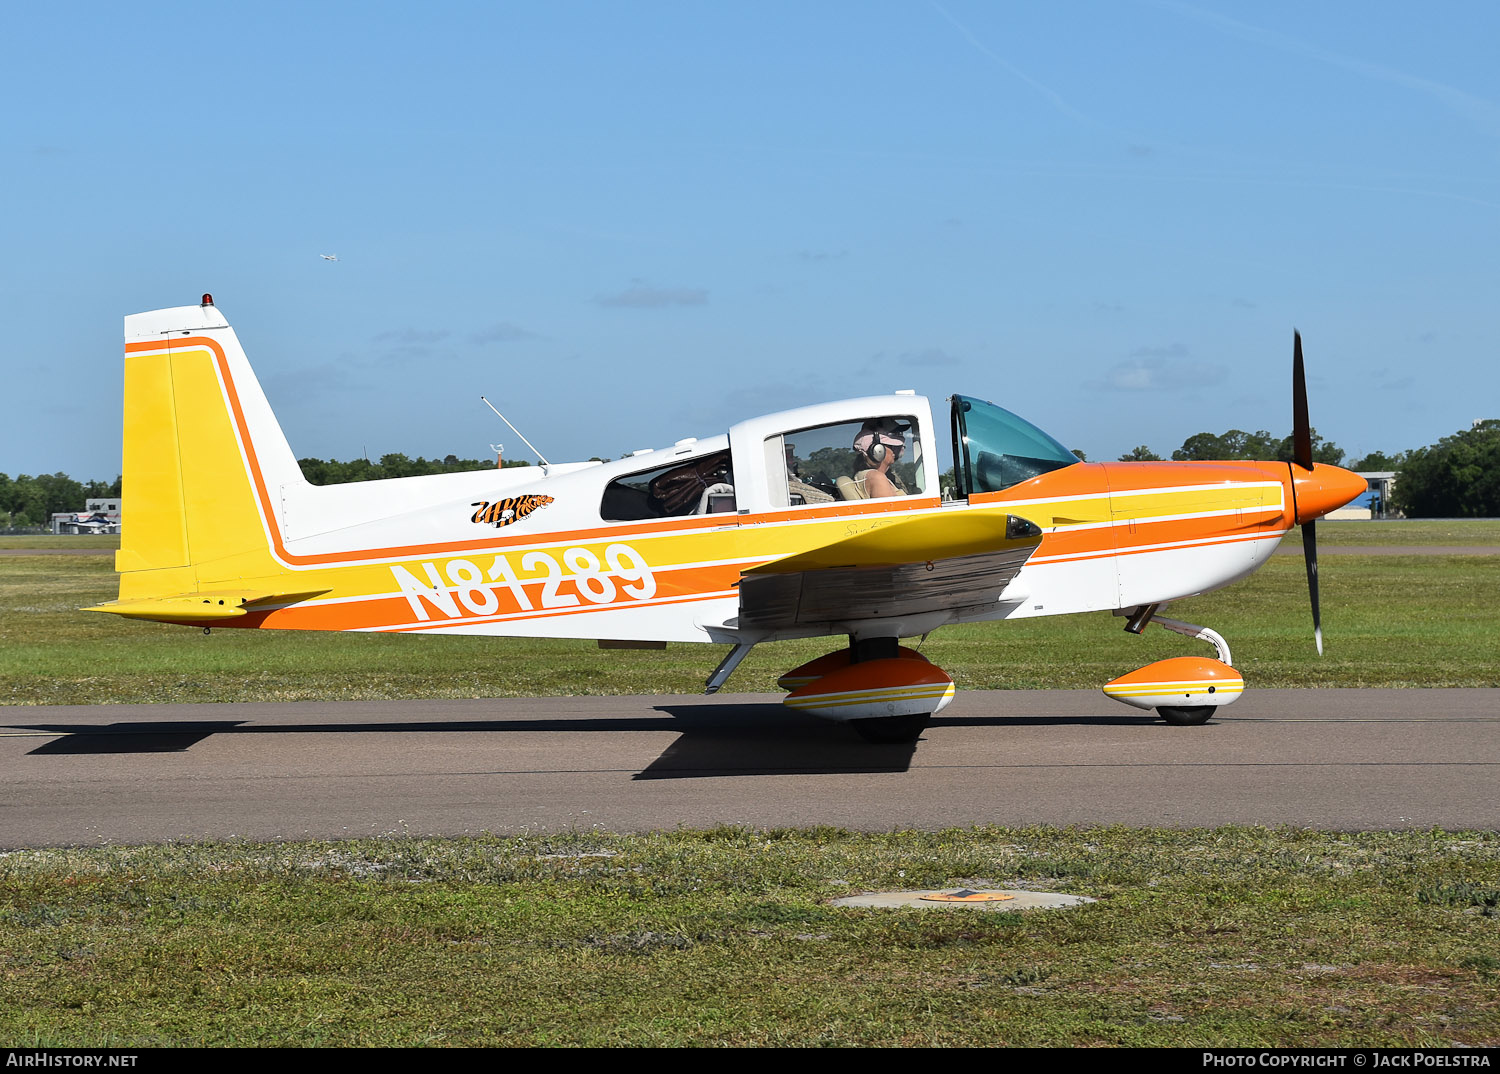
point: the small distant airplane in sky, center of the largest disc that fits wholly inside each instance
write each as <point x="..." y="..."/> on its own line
<point x="329" y="257"/>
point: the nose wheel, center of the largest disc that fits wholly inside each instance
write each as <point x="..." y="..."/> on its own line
<point x="1185" y="716"/>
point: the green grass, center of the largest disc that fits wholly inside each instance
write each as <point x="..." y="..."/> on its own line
<point x="1416" y="531"/>
<point x="1229" y="937"/>
<point x="104" y="542"/>
<point x="1388" y="621"/>
<point x="1242" y="937"/>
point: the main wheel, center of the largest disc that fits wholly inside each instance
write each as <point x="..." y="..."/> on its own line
<point x="1189" y="716"/>
<point x="891" y="729"/>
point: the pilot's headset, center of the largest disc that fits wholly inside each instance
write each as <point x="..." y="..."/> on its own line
<point x="877" y="438"/>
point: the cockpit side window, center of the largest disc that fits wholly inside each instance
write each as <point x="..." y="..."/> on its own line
<point x="700" y="486"/>
<point x="852" y="460"/>
<point x="993" y="449"/>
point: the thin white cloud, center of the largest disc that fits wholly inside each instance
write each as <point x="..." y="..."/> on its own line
<point x="297" y="386"/>
<point x="1052" y="95"/>
<point x="932" y="356"/>
<point x="642" y="295"/>
<point x="1159" y="374"/>
<point x="1482" y="113"/>
<point x="753" y="399"/>
<point x="501" y="332"/>
<point x="1171" y="350"/>
<point x="1386" y="383"/>
<point x="413" y="336"/>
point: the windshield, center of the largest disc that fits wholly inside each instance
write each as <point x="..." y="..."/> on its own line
<point x="993" y="449"/>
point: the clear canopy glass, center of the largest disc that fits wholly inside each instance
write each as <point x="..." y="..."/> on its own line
<point x="993" y="449"/>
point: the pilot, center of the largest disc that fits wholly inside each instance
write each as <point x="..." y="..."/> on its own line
<point x="879" y="445"/>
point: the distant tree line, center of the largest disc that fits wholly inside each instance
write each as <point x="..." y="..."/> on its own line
<point x="1458" y="477"/>
<point x="1238" y="444"/>
<point x="32" y="501"/>
<point x="333" y="472"/>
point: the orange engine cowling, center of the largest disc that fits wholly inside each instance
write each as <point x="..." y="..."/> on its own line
<point x="894" y="686"/>
<point x="1180" y="682"/>
<point x="816" y="669"/>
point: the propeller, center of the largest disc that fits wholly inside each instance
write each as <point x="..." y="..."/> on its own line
<point x="1302" y="455"/>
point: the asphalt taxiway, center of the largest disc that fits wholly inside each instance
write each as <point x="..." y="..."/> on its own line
<point x="1335" y="759"/>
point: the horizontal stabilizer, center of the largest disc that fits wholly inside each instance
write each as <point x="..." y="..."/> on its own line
<point x="200" y="607"/>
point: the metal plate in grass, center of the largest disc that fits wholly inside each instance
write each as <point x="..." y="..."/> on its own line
<point x="968" y="895"/>
<point x="996" y="899"/>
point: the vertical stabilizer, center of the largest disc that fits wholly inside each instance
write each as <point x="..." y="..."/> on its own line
<point x="204" y="458"/>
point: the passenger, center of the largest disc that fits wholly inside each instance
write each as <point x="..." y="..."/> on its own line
<point x="879" y="445"/>
<point x="797" y="486"/>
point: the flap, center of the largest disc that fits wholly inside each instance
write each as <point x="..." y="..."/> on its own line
<point x="910" y="567"/>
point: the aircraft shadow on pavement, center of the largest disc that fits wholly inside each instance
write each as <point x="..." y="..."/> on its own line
<point x="766" y="740"/>
<point x="175" y="736"/>
<point x="713" y="740"/>
<point x="1140" y="719"/>
<point x="769" y="739"/>
<point x="166" y="737"/>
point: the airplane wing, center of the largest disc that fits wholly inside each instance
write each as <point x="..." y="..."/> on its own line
<point x="910" y="567"/>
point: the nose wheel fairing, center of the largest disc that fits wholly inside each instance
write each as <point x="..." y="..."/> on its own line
<point x="1178" y="682"/>
<point x="1184" y="690"/>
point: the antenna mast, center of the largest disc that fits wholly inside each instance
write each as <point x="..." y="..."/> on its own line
<point x="512" y="428"/>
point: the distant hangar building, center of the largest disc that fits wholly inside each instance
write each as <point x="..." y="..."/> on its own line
<point x="99" y="515"/>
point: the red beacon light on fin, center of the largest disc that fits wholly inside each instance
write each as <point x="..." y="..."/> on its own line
<point x="208" y="300"/>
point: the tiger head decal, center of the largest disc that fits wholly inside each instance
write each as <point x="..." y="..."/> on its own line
<point x="504" y="512"/>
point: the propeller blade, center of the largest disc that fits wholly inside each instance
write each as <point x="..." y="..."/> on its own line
<point x="1301" y="428"/>
<point x="1310" y="555"/>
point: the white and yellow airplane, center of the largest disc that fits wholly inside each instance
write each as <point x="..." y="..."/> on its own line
<point x="821" y="520"/>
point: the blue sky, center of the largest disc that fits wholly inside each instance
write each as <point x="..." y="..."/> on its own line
<point x="627" y="223"/>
